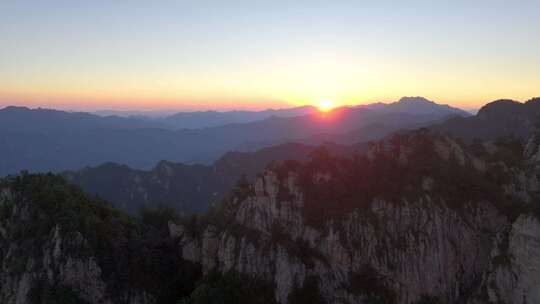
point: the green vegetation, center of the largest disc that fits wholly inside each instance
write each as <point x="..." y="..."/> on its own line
<point x="133" y="254"/>
<point x="243" y="188"/>
<point x="509" y="151"/>
<point x="369" y="283"/>
<point x="5" y="210"/>
<point x="537" y="133"/>
<point x="159" y="218"/>
<point x="355" y="182"/>
<point x="307" y="294"/>
<point x="533" y="208"/>
<point x="43" y="293"/>
<point x="503" y="259"/>
<point x="298" y="248"/>
<point x="230" y="287"/>
<point x="428" y="299"/>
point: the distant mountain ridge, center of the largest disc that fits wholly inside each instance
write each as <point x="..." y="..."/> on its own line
<point x="18" y="119"/>
<point x="416" y="105"/>
<point x="50" y="140"/>
<point x="206" y="119"/>
<point x="186" y="188"/>
<point x="212" y="118"/>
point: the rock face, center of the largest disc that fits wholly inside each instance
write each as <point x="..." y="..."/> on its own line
<point x="517" y="280"/>
<point x="416" y="248"/>
<point x="395" y="251"/>
<point x="514" y="276"/>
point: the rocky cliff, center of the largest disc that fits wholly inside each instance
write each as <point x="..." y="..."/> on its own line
<point x="420" y="218"/>
<point x="424" y="245"/>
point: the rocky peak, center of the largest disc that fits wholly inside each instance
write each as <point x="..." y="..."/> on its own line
<point x="415" y="100"/>
<point x="165" y="169"/>
<point x="499" y="108"/>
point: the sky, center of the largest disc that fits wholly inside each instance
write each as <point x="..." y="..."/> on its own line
<point x="152" y="55"/>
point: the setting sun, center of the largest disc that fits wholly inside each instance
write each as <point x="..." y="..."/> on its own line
<point x="325" y="105"/>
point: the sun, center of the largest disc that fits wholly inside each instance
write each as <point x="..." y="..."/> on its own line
<point x="325" y="105"/>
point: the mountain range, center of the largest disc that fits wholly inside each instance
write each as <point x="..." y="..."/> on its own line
<point x="49" y="140"/>
<point x="194" y="188"/>
<point x="187" y="189"/>
<point x="205" y="119"/>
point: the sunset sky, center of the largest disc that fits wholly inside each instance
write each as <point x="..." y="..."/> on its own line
<point x="129" y="54"/>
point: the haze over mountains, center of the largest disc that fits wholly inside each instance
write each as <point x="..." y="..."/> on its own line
<point x="193" y="188"/>
<point x="135" y="163"/>
<point x="204" y="119"/>
<point x="456" y="200"/>
<point x="49" y="140"/>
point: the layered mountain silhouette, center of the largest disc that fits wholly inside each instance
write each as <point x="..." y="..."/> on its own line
<point x="193" y="188"/>
<point x="25" y="120"/>
<point x="187" y="188"/>
<point x="49" y="140"/>
<point x="205" y="119"/>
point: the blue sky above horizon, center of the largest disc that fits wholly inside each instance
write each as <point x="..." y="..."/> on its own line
<point x="258" y="54"/>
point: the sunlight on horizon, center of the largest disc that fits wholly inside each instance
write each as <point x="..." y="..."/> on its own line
<point x="325" y="105"/>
